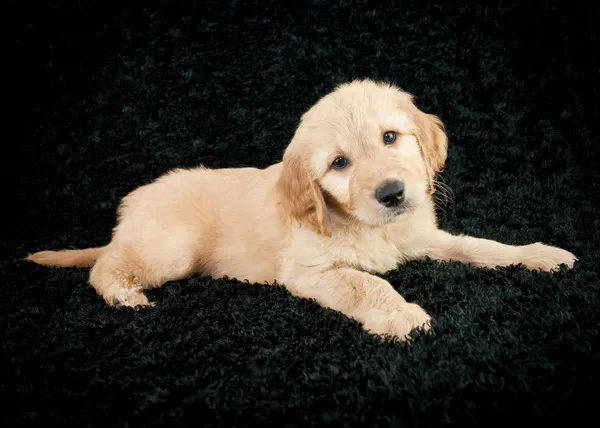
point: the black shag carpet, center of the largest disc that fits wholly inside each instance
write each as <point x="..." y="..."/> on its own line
<point x="101" y="99"/>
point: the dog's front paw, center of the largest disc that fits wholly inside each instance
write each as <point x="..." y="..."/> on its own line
<point x="399" y="323"/>
<point x="545" y="257"/>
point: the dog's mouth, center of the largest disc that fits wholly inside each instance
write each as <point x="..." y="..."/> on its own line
<point x="401" y="209"/>
<point x="391" y="213"/>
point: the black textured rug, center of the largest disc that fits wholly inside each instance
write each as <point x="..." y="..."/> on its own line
<point x="104" y="99"/>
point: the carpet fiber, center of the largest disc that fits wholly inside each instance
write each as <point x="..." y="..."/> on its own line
<point x="104" y="99"/>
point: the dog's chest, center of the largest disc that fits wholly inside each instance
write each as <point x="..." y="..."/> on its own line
<point x="377" y="252"/>
<point x="369" y="253"/>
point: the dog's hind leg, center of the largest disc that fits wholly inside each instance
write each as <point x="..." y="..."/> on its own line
<point x="124" y="271"/>
<point x="119" y="281"/>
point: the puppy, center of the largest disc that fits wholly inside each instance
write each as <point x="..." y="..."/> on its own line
<point x="351" y="198"/>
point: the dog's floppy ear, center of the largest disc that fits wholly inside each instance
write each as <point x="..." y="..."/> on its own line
<point x="436" y="142"/>
<point x="433" y="142"/>
<point x="300" y="196"/>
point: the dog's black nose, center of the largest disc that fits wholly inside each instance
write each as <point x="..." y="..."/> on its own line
<point x="390" y="193"/>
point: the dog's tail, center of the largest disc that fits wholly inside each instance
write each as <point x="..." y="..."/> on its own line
<point x="67" y="258"/>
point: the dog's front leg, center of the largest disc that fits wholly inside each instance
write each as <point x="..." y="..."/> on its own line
<point x="488" y="253"/>
<point x="370" y="300"/>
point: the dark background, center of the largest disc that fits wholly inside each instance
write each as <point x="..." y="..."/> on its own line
<point x="101" y="98"/>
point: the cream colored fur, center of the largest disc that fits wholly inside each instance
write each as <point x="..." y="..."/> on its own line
<point x="317" y="230"/>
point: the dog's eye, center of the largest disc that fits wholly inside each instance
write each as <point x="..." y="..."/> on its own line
<point x="340" y="162"/>
<point x="389" y="137"/>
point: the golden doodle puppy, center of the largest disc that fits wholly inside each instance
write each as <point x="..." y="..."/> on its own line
<point x="352" y="198"/>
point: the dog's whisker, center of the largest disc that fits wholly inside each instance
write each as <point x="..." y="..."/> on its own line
<point x="438" y="205"/>
<point x="445" y="193"/>
<point x="442" y="196"/>
<point x="442" y="183"/>
<point x="443" y="187"/>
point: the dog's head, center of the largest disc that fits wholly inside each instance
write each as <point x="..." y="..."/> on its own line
<point x="364" y="150"/>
